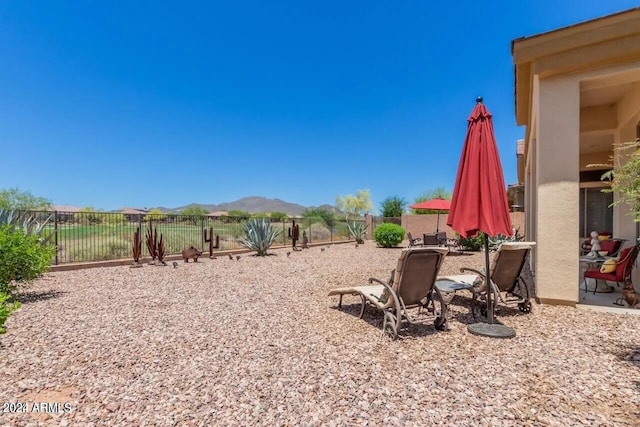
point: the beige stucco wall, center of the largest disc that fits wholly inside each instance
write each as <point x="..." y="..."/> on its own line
<point x="556" y="218"/>
<point x="579" y="79"/>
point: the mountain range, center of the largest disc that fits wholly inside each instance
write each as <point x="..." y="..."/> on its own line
<point x="252" y="204"/>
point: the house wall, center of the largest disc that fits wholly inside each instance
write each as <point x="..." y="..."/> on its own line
<point x="556" y="218"/>
<point x="551" y="69"/>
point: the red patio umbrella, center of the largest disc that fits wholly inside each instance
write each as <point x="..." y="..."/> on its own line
<point x="479" y="201"/>
<point x="437" y="204"/>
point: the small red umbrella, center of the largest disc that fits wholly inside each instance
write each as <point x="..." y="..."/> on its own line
<point x="437" y="204"/>
<point x="479" y="201"/>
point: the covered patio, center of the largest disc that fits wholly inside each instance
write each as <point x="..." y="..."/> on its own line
<point x="578" y="94"/>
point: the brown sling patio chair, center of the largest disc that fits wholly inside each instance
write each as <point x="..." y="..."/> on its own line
<point x="430" y="239"/>
<point x="507" y="284"/>
<point x="411" y="286"/>
<point x="414" y="241"/>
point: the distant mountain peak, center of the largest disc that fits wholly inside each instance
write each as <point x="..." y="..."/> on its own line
<point x="251" y="204"/>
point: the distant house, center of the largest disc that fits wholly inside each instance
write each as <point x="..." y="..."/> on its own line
<point x="65" y="209"/>
<point x="133" y="214"/>
<point x="64" y="213"/>
<point x="217" y="214"/>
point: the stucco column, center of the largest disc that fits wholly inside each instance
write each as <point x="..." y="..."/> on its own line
<point x="557" y="177"/>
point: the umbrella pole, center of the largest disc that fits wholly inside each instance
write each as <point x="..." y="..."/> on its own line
<point x="488" y="280"/>
<point x="438" y="222"/>
<point x="490" y="329"/>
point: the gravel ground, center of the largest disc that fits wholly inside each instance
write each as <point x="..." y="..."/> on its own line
<point x="257" y="342"/>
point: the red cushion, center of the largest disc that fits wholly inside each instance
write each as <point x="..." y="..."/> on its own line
<point x="608" y="245"/>
<point x="622" y="265"/>
<point x="618" y="275"/>
<point x="596" y="274"/>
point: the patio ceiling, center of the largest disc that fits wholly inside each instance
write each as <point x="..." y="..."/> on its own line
<point x="603" y="95"/>
<point x="599" y="112"/>
<point x="594" y="143"/>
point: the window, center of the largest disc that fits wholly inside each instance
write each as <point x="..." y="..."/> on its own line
<point x="595" y="213"/>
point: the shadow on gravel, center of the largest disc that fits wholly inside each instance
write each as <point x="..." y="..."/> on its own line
<point x="28" y="297"/>
<point x="626" y="353"/>
<point x="375" y="318"/>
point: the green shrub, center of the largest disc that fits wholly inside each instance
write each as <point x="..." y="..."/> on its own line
<point x="22" y="258"/>
<point x="278" y="216"/>
<point x="388" y="235"/>
<point x="239" y="215"/>
<point x="6" y="307"/>
<point x="327" y="217"/>
<point x="474" y="243"/>
<point x="392" y="207"/>
<point x="259" y="235"/>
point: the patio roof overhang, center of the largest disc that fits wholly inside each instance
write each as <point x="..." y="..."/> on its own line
<point x="589" y="47"/>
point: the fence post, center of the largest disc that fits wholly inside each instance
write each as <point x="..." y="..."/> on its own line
<point x="55" y="234"/>
<point x="202" y="233"/>
<point x="140" y="226"/>
<point x="284" y="234"/>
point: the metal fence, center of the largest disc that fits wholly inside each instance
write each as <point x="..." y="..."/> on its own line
<point x="377" y="220"/>
<point x="98" y="236"/>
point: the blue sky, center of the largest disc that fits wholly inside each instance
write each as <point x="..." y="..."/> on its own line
<point x="112" y="104"/>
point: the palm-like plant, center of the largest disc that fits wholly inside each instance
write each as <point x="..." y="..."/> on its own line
<point x="259" y="235"/>
<point x="358" y="230"/>
<point x="28" y="223"/>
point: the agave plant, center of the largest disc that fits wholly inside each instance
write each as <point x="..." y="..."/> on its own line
<point x="259" y="235"/>
<point x="28" y="223"/>
<point x="358" y="230"/>
<point x="495" y="242"/>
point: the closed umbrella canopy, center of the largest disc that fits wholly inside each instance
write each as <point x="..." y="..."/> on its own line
<point x="438" y="204"/>
<point x="479" y="201"/>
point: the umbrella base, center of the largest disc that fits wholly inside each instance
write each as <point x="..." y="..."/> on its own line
<point x="491" y="330"/>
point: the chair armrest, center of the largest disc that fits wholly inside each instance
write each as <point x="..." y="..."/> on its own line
<point x="473" y="270"/>
<point x="392" y="293"/>
<point x="373" y="279"/>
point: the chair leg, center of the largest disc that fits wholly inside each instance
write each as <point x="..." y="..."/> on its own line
<point x="364" y="303"/>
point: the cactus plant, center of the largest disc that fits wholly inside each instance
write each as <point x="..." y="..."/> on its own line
<point x="137" y="248"/>
<point x="160" y="251"/>
<point x="294" y="233"/>
<point x="211" y="239"/>
<point x="152" y="242"/>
